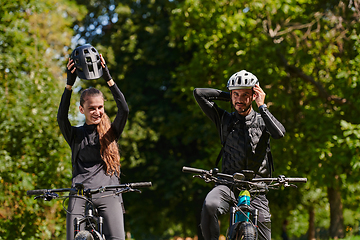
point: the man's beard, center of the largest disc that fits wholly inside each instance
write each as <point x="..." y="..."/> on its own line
<point x="242" y="110"/>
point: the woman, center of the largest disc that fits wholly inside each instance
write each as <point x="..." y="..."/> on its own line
<point x="95" y="154"/>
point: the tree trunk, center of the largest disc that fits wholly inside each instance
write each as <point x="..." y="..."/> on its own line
<point x="336" y="214"/>
<point x="311" y="235"/>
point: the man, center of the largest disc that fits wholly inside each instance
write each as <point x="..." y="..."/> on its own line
<point x="245" y="136"/>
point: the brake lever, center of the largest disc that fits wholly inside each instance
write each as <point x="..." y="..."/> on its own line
<point x="203" y="177"/>
<point x="47" y="196"/>
<point x="282" y="181"/>
<point x="40" y="196"/>
<point x="125" y="190"/>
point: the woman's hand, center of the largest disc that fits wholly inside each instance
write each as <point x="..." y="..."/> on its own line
<point x="106" y="74"/>
<point x="71" y="74"/>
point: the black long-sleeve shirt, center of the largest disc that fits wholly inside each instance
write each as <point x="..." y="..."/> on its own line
<point x="246" y="139"/>
<point x="88" y="166"/>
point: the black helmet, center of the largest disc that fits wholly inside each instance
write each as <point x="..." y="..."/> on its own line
<point x="242" y="80"/>
<point x="87" y="62"/>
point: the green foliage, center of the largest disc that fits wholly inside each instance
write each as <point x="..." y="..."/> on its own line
<point x="298" y="66"/>
<point x="305" y="53"/>
<point x="33" y="153"/>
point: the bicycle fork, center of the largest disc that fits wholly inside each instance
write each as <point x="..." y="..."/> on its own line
<point x="89" y="217"/>
<point x="244" y="209"/>
<point x="233" y="226"/>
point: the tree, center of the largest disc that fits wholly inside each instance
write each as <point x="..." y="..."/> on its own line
<point x="153" y="148"/>
<point x="305" y="55"/>
<point x="33" y="154"/>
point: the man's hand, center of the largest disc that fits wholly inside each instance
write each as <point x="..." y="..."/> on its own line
<point x="259" y="95"/>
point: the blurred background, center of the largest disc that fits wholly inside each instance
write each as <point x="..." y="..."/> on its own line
<point x="305" y="53"/>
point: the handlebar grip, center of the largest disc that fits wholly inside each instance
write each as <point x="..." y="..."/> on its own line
<point x="301" y="180"/>
<point x="141" y="184"/>
<point x="36" y="192"/>
<point x="193" y="170"/>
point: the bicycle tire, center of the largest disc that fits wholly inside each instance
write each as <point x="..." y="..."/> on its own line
<point x="246" y="231"/>
<point x="86" y="235"/>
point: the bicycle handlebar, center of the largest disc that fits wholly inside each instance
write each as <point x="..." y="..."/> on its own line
<point x="206" y="172"/>
<point x="290" y="180"/>
<point x="140" y="184"/>
<point x="194" y="170"/>
<point x="239" y="177"/>
<point x="42" y="191"/>
<point x="96" y="190"/>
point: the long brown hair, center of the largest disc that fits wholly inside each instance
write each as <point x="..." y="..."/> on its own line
<point x="109" y="150"/>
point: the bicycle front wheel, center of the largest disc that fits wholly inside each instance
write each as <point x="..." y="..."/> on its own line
<point x="246" y="232"/>
<point x="86" y="235"/>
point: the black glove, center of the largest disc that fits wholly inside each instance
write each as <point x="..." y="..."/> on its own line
<point x="106" y="74"/>
<point x="71" y="77"/>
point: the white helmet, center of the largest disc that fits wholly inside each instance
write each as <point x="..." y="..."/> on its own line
<point x="242" y="80"/>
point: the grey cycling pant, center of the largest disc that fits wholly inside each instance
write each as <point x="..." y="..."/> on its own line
<point x="110" y="208"/>
<point x="219" y="200"/>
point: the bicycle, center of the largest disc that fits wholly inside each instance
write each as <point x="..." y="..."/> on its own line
<point x="93" y="221"/>
<point x="243" y="218"/>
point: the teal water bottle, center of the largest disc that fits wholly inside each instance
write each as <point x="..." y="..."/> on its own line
<point x="243" y="199"/>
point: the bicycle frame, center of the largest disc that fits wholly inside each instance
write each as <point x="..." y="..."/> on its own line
<point x="254" y="214"/>
<point x="94" y="222"/>
<point x="247" y="227"/>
